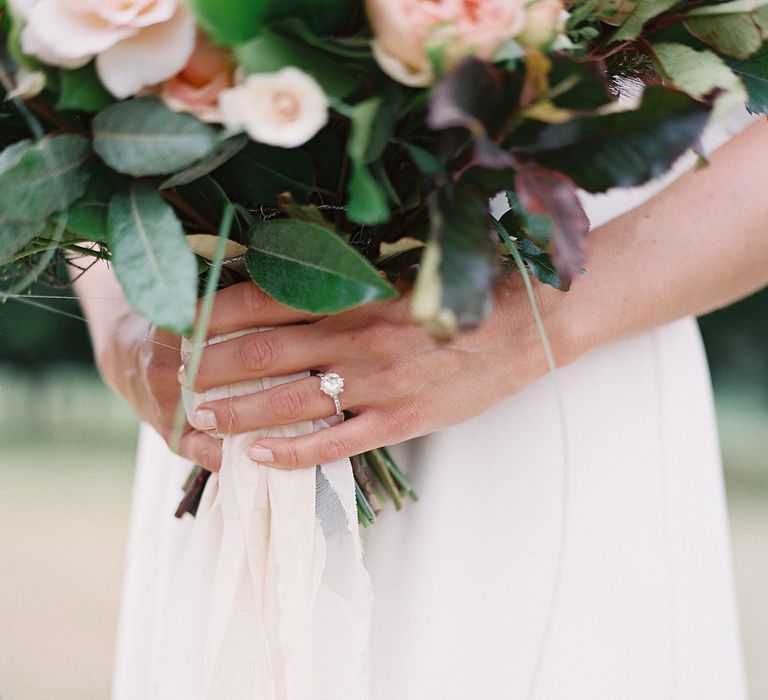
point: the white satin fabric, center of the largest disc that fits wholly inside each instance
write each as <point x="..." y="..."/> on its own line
<point x="267" y="598"/>
<point x="462" y="579"/>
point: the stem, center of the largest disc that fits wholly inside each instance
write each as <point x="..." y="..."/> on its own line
<point x="183" y="206"/>
<point x="565" y="494"/>
<point x="42" y="110"/>
<point x="194" y="492"/>
<point x="398" y="475"/>
<point x="379" y="467"/>
<point x="340" y="187"/>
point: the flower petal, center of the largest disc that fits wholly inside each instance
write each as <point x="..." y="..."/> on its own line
<point x="152" y="56"/>
<point x="285" y="109"/>
<point x="60" y="33"/>
<point x="136" y="13"/>
<point x="399" y="71"/>
<point x="21" y="8"/>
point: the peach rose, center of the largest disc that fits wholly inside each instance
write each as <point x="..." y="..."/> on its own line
<point x="285" y="109"/>
<point x="136" y="42"/>
<point x="406" y="30"/>
<point x="196" y="89"/>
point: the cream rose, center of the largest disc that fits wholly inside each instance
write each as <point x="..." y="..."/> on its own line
<point x="196" y="89"/>
<point x="405" y="31"/>
<point x="136" y="42"/>
<point x="286" y="108"/>
<point x="544" y="20"/>
<point x="29" y="84"/>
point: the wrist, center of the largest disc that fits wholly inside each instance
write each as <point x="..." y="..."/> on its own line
<point x="568" y="330"/>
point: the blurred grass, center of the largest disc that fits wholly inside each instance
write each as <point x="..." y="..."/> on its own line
<point x="64" y="505"/>
<point x="63" y="516"/>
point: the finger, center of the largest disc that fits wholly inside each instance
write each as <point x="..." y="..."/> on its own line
<point x="282" y="405"/>
<point x="201" y="449"/>
<point x="353" y="436"/>
<point x="244" y="306"/>
<point x="166" y="340"/>
<point x="260" y="354"/>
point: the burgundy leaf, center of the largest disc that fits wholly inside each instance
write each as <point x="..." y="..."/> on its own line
<point x="478" y="97"/>
<point x="548" y="192"/>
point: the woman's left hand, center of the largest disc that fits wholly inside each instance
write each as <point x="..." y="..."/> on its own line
<point x="400" y="381"/>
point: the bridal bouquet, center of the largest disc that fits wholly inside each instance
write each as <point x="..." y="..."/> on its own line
<point x="338" y="151"/>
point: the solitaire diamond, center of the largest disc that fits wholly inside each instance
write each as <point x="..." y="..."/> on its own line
<point x="331" y="384"/>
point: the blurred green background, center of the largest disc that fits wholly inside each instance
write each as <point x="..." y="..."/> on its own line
<point x="63" y="516"/>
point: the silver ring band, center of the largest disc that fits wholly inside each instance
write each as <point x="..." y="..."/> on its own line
<point x="332" y="384"/>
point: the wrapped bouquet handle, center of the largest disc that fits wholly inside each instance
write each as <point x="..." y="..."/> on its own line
<point x="270" y="599"/>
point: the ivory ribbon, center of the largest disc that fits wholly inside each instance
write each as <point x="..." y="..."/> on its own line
<point x="270" y="600"/>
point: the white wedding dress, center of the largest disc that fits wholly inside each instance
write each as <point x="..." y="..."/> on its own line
<point x="463" y="579"/>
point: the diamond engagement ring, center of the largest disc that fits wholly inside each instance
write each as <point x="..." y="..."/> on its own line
<point x="332" y="384"/>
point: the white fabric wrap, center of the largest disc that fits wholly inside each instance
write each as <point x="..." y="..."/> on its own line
<point x="270" y="600"/>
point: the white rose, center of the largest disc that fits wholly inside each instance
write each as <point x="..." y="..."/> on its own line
<point x="136" y="42"/>
<point x="286" y="108"/>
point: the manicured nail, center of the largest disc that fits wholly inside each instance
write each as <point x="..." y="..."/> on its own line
<point x="204" y="419"/>
<point x="260" y="454"/>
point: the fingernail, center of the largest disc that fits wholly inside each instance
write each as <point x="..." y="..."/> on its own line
<point x="260" y="454"/>
<point x="182" y="376"/>
<point x="204" y="419"/>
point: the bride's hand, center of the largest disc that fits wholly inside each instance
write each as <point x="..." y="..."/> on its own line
<point x="400" y="382"/>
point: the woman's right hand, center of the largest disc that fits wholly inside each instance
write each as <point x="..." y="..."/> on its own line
<point x="140" y="362"/>
<point x="151" y="386"/>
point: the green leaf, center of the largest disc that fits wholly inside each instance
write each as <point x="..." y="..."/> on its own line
<point x="215" y="159"/>
<point x="232" y="22"/>
<point x="373" y="124"/>
<point x="626" y="148"/>
<point x="490" y="181"/>
<point x="151" y="258"/>
<point x="754" y="76"/>
<point x="736" y="28"/>
<point x="455" y="282"/>
<point x="310" y="268"/>
<point x="13" y="126"/>
<point x="643" y="11"/>
<point x="587" y="78"/>
<point x="367" y="203"/>
<point x="325" y="149"/>
<point x="209" y="201"/>
<point x="523" y="224"/>
<point x="426" y="162"/>
<point x="321" y="16"/>
<point x="40" y="178"/>
<point x="87" y="217"/>
<point x="540" y="264"/>
<point x="258" y="173"/>
<point x="271" y="51"/>
<point x="143" y="137"/>
<point x="14" y="235"/>
<point x="365" y="143"/>
<point x="698" y="73"/>
<point x="81" y="89"/>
